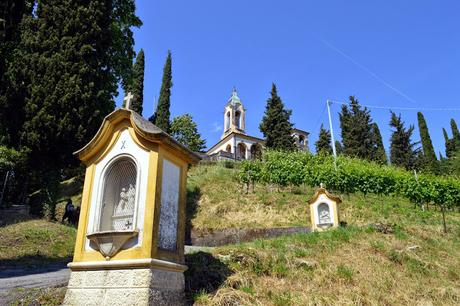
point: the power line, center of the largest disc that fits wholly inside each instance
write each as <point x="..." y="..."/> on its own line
<point x="319" y="118"/>
<point x="402" y="108"/>
<point x="373" y="74"/>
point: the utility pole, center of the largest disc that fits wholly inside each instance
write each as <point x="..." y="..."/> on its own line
<point x="334" y="152"/>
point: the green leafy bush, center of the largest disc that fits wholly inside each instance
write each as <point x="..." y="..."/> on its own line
<point x="352" y="175"/>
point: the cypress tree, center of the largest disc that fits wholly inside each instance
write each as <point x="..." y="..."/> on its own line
<point x="379" y="150"/>
<point x="71" y="57"/>
<point x="275" y="124"/>
<point x="162" y="114"/>
<point x="11" y="96"/>
<point x="355" y="123"/>
<point x="449" y="143"/>
<point x="455" y="133"/>
<point x="323" y="144"/>
<point x="402" y="151"/>
<point x="430" y="161"/>
<point x="136" y="83"/>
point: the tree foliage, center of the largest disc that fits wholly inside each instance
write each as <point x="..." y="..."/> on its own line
<point x="323" y="144"/>
<point x="378" y="149"/>
<point x="338" y="147"/>
<point x="355" y="123"/>
<point x="185" y="131"/>
<point x="352" y="175"/>
<point x="64" y="72"/>
<point x="136" y="83"/>
<point x="162" y="115"/>
<point x="276" y="126"/>
<point x="402" y="150"/>
<point x="429" y="162"/>
<point x="11" y="101"/>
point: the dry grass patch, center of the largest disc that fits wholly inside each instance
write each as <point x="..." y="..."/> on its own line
<point x="356" y="266"/>
<point x="222" y="202"/>
<point x="39" y="296"/>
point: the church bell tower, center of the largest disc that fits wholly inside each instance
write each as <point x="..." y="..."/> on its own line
<point x="234" y="116"/>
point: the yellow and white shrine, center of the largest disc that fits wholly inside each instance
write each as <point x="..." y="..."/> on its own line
<point x="324" y="212"/>
<point x="130" y="241"/>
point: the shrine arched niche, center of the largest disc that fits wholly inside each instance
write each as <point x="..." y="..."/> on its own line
<point x="118" y="199"/>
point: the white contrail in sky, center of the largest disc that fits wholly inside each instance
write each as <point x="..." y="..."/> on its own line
<point x="375" y="76"/>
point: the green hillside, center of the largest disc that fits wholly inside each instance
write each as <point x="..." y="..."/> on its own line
<point x="389" y="253"/>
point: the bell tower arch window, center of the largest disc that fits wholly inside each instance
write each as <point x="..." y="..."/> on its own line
<point x="227" y="121"/>
<point x="238" y="119"/>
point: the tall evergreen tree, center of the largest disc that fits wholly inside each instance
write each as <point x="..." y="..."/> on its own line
<point x="402" y="151"/>
<point x="71" y="56"/>
<point x="430" y="161"/>
<point x="455" y="133"/>
<point x="276" y="125"/>
<point x="379" y="154"/>
<point x="185" y="131"/>
<point x="450" y="144"/>
<point x="162" y="114"/>
<point x="323" y="144"/>
<point x="355" y="123"/>
<point x="11" y="100"/>
<point x="136" y="83"/>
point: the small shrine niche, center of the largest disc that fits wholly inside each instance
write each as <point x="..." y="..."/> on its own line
<point x="129" y="247"/>
<point x="119" y="198"/>
<point x="323" y="210"/>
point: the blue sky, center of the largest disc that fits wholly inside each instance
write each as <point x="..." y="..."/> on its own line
<point x="386" y="53"/>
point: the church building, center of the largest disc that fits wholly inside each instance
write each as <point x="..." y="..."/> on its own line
<point x="235" y="143"/>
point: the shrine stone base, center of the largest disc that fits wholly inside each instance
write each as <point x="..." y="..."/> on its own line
<point x="133" y="286"/>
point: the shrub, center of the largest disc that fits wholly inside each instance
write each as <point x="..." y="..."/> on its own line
<point x="352" y="175"/>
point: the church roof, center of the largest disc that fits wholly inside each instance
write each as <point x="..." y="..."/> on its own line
<point x="239" y="135"/>
<point x="142" y="126"/>
<point x="234" y="99"/>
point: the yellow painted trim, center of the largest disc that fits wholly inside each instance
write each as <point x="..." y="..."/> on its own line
<point x="84" y="212"/>
<point x="156" y="216"/>
<point x="128" y="263"/>
<point x="334" y="207"/>
<point x="100" y="139"/>
<point x="149" y="224"/>
<point x="97" y="150"/>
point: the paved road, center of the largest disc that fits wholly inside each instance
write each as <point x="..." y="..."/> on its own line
<point x="51" y="276"/>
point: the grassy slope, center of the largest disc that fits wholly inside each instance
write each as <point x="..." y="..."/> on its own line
<point x="219" y="201"/>
<point x="416" y="263"/>
<point x="35" y="243"/>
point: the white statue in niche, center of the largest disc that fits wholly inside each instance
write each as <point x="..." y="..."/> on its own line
<point x="122" y="203"/>
<point x="324" y="214"/>
<point x="126" y="204"/>
<point x="131" y="194"/>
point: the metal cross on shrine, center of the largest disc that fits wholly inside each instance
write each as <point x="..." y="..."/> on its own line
<point x="128" y="99"/>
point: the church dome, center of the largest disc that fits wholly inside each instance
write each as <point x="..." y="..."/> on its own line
<point x="234" y="99"/>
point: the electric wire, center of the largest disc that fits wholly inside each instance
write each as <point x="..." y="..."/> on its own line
<point x="453" y="109"/>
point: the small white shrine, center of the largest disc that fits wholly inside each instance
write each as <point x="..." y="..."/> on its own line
<point x="130" y="241"/>
<point x="324" y="212"/>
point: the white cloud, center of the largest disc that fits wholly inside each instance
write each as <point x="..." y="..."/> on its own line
<point x="216" y="127"/>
